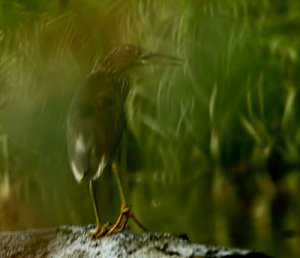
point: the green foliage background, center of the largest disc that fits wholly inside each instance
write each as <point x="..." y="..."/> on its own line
<point x="216" y="145"/>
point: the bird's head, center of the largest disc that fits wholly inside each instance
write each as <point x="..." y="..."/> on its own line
<point x="122" y="58"/>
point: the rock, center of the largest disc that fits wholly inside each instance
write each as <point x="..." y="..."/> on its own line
<point x="73" y="241"/>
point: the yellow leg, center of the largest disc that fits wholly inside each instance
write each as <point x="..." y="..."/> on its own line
<point x="100" y="229"/>
<point x="126" y="212"/>
<point x="115" y="170"/>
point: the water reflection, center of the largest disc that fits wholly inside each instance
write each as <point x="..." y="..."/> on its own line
<point x="268" y="221"/>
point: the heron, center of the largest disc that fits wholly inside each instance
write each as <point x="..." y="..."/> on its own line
<point x="96" y="122"/>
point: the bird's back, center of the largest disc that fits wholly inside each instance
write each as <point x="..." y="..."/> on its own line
<point x="95" y="125"/>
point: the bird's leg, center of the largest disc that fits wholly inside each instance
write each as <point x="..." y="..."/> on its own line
<point x="126" y="211"/>
<point x="100" y="229"/>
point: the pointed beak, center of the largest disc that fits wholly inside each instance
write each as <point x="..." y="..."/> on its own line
<point x="155" y="58"/>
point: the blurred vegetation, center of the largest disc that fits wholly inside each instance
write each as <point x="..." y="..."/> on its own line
<point x="216" y="146"/>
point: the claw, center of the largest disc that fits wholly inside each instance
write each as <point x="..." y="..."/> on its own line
<point x="99" y="231"/>
<point x="126" y="214"/>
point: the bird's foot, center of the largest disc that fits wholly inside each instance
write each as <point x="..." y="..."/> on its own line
<point x="99" y="231"/>
<point x="120" y="225"/>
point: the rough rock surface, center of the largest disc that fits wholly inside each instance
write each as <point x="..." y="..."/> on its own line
<point x="73" y="241"/>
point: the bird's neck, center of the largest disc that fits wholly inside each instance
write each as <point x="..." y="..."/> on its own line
<point x="123" y="84"/>
<point x="121" y="80"/>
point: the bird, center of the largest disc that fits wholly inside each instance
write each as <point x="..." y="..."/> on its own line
<point x="97" y="119"/>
